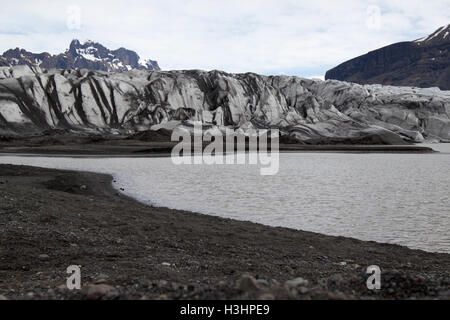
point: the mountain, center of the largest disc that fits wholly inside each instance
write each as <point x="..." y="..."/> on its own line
<point x="88" y="55"/>
<point x="34" y="100"/>
<point x="422" y="63"/>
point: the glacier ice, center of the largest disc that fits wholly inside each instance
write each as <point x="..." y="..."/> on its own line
<point x="33" y="100"/>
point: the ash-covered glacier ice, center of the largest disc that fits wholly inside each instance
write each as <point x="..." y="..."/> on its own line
<point x="33" y="100"/>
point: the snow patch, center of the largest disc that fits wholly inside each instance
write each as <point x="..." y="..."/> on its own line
<point x="88" y="53"/>
<point x="434" y="35"/>
<point x="144" y="62"/>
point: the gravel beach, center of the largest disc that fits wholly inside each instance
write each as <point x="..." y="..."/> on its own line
<point x="52" y="219"/>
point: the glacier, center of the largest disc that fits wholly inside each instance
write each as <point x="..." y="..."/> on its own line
<point x="33" y="100"/>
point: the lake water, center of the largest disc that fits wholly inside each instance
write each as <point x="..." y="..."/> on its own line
<point x="392" y="198"/>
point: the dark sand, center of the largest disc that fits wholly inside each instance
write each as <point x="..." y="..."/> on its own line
<point x="51" y="219"/>
<point x="89" y="145"/>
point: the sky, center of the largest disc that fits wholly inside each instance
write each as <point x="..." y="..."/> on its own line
<point x="294" y="37"/>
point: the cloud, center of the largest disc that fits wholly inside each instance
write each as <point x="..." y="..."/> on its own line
<point x="270" y="37"/>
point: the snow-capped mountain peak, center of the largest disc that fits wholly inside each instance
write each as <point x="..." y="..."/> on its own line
<point x="422" y="63"/>
<point x="81" y="55"/>
<point x="442" y="34"/>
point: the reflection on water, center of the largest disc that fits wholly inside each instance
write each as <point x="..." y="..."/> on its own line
<point x="393" y="198"/>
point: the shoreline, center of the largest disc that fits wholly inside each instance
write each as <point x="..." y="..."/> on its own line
<point x="146" y="252"/>
<point x="101" y="151"/>
<point x="88" y="146"/>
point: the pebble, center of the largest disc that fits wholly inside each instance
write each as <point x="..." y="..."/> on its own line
<point x="295" y="283"/>
<point x="166" y="264"/>
<point x="161" y="283"/>
<point x="100" y="281"/>
<point x="263" y="282"/>
<point x="274" y="282"/>
<point x="303" y="290"/>
<point x="99" y="291"/>
<point x="44" y="257"/>
<point x="102" y="276"/>
<point x="83" y="188"/>
<point x="222" y="283"/>
<point x="62" y="287"/>
<point x="247" y="283"/>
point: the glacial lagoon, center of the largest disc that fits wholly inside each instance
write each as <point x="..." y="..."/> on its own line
<point x="390" y="198"/>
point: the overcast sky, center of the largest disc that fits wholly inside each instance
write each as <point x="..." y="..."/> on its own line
<point x="295" y="37"/>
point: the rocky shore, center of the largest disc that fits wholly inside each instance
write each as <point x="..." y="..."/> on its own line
<point x="158" y="143"/>
<point x="52" y="219"/>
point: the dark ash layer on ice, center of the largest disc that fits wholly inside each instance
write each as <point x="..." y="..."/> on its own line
<point x="34" y="101"/>
<point x="52" y="219"/>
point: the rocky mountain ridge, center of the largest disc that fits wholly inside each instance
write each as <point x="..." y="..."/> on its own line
<point x="421" y="63"/>
<point x="88" y="55"/>
<point x="33" y="100"/>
